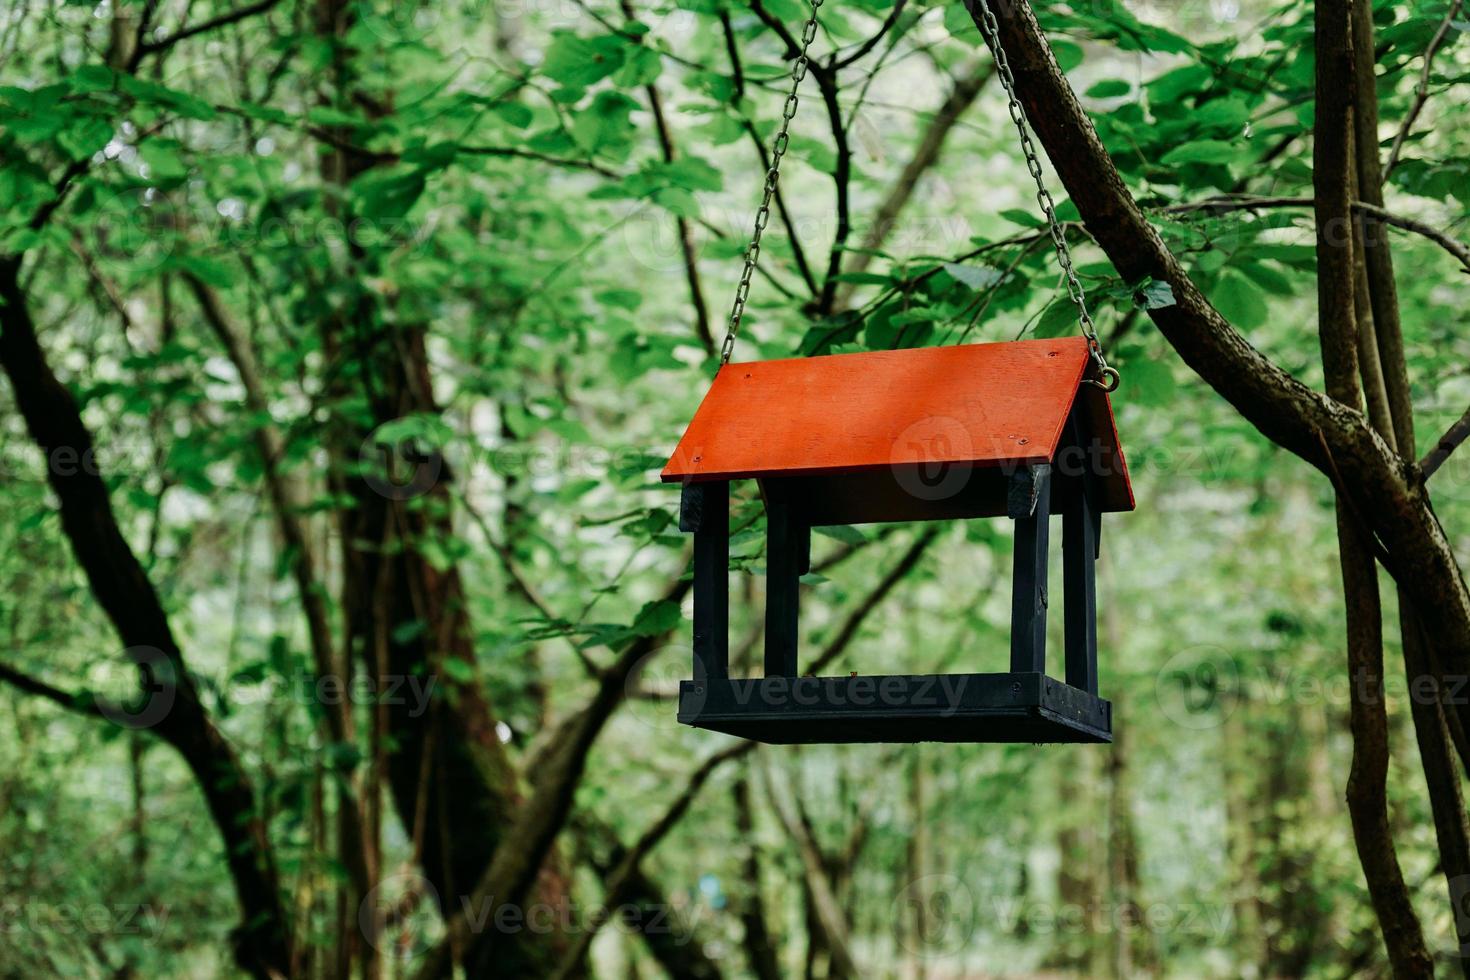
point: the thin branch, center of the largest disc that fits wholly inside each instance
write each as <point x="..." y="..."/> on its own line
<point x="931" y="145"/>
<point x="1456" y="248"/>
<point x="82" y="703"/>
<point x="854" y="621"/>
<point x="515" y="151"/>
<point x="1421" y="91"/>
<point x="737" y="93"/>
<point x="1226" y="204"/>
<point x="830" y="916"/>
<point x="842" y="180"/>
<point x="1448" y="443"/>
<point x="837" y="64"/>
<point x="686" y="234"/>
<point x="618" y="879"/>
<point x="223" y="20"/>
<point x="523" y="849"/>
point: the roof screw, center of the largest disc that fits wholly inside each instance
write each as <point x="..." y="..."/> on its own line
<point x="1050" y="353"/>
<point x="1023" y="442"/>
<point x="698" y="458"/>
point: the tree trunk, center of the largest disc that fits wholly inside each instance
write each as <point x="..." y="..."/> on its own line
<point x="173" y="710"/>
<point x="759" y="948"/>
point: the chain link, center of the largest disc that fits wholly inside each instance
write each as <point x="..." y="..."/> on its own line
<point x="991" y="29"/>
<point x="763" y="216"/>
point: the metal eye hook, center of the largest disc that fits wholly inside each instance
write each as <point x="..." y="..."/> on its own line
<point x="1110" y="382"/>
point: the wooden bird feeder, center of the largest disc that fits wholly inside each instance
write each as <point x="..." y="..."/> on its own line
<point x="941" y="433"/>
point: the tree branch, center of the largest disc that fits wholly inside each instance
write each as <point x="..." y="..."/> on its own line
<point x="618" y="879"/>
<point x="1421" y="91"/>
<point x="1329" y="436"/>
<point x="223" y="20"/>
<point x="931" y="145"/>
<point x="523" y="849"/>
<point x="855" y="619"/>
<point x="838" y="63"/>
<point x="1447" y="444"/>
<point x="123" y="590"/>
<point x="1227" y="203"/>
<point x="81" y="702"/>
<point x="732" y="51"/>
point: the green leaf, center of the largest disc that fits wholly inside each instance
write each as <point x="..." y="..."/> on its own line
<point x="1025" y="219"/>
<point x="458" y="670"/>
<point x="845" y="533"/>
<point x="627" y="299"/>
<point x="977" y="277"/>
<point x="1110" y="88"/>
<point x="959" y="23"/>
<point x="208" y="270"/>
<point x="515" y="114"/>
<point x="85" y="138"/>
<point x="1238" y="299"/>
<point x="93" y="78"/>
<point x="580" y="62"/>
<point x="659" y="616"/>
<point x="1058" y="320"/>
<point x="163" y="159"/>
<point x="1202" y="151"/>
<point x="386" y="197"/>
<point x="642" y="67"/>
<point x="1149" y="382"/>
<point x="1153" y="295"/>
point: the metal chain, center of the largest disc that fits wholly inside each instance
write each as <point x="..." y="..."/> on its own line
<point x="763" y="216"/>
<point x="991" y="29"/>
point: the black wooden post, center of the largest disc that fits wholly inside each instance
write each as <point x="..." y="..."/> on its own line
<point x="787" y="545"/>
<point x="705" y="510"/>
<point x="1030" y="506"/>
<point x="1079" y="558"/>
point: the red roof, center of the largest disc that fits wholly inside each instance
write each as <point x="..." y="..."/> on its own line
<point x="978" y="404"/>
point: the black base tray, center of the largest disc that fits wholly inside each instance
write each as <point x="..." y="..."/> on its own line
<point x="1024" y="707"/>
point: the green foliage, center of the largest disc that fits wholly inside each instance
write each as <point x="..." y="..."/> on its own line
<point x="512" y="208"/>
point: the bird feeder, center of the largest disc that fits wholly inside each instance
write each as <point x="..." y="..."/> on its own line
<point x="1016" y="429"/>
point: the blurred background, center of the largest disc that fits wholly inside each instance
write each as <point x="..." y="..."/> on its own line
<point x="383" y="318"/>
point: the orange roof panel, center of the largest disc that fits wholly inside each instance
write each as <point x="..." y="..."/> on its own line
<point x="977" y="404"/>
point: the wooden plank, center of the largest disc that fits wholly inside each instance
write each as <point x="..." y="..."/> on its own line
<point x="707" y="505"/>
<point x="1028" y="582"/>
<point x="973" y="404"/>
<point x="1079" y="563"/>
<point x="784" y="534"/>
<point x="1003" y="707"/>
